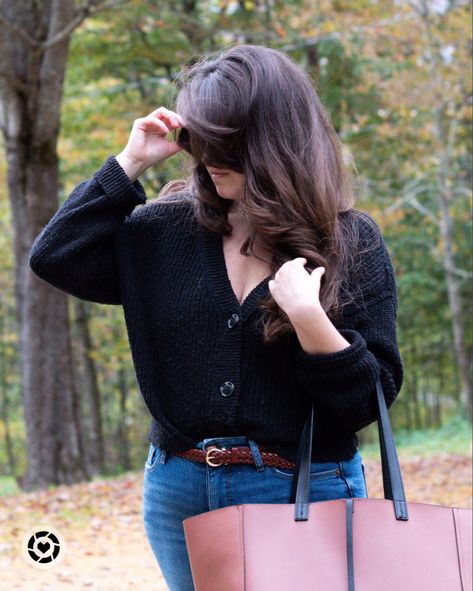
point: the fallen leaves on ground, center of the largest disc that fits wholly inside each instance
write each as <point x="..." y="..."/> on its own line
<point x="106" y="546"/>
<point x="444" y="479"/>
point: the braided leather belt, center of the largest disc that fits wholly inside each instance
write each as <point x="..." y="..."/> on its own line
<point x="216" y="456"/>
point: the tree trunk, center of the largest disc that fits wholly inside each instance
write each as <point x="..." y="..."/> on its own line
<point x="123" y="437"/>
<point x="438" y="410"/>
<point x="88" y="379"/>
<point x="453" y="290"/>
<point x="4" y="405"/>
<point x="31" y="82"/>
<point x="415" y="385"/>
<point x="407" y="414"/>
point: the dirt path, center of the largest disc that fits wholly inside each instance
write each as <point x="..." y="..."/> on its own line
<point x="106" y="547"/>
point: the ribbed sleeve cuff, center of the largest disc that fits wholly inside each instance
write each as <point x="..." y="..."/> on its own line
<point x="338" y="360"/>
<point x="117" y="184"/>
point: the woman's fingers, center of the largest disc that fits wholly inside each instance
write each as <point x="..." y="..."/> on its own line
<point x="161" y="124"/>
<point x="154" y="122"/>
<point x="150" y="124"/>
<point x="171" y="117"/>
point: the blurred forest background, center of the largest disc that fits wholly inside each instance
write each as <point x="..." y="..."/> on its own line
<point x="396" y="79"/>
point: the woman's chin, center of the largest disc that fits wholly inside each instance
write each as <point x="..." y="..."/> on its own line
<point x="226" y="195"/>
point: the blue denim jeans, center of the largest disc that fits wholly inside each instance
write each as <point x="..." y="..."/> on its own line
<point x="175" y="488"/>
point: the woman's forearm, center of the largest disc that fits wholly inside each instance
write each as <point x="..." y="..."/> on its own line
<point x="316" y="333"/>
<point x="132" y="168"/>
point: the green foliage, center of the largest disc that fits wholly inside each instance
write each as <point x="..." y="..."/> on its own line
<point x="8" y="486"/>
<point x="454" y="437"/>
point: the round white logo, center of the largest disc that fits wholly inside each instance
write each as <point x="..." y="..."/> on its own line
<point x="43" y="547"/>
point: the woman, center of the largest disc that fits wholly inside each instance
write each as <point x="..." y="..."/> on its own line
<point x="250" y="291"/>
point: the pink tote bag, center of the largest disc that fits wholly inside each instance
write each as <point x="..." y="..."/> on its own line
<point x="358" y="544"/>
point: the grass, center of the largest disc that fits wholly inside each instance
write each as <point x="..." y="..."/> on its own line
<point x="454" y="437"/>
<point x="8" y="486"/>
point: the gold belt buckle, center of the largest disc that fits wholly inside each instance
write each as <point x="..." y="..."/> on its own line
<point x="207" y="455"/>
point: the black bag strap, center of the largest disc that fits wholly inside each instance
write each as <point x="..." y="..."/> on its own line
<point x="392" y="479"/>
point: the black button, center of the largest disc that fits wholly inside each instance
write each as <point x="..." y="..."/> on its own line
<point x="234" y="318"/>
<point x="226" y="389"/>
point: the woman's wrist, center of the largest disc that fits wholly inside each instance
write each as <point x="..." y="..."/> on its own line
<point x="132" y="168"/>
<point x="316" y="333"/>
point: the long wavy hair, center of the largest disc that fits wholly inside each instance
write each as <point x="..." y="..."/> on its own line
<point x="252" y="109"/>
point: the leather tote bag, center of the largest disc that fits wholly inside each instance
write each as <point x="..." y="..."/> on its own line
<point x="360" y="544"/>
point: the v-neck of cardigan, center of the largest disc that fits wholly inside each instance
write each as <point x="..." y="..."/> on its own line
<point x="215" y="269"/>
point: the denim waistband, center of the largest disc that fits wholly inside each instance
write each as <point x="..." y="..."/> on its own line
<point x="223" y="441"/>
<point x="234" y="441"/>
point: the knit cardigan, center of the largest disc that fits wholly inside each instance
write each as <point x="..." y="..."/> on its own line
<point x="201" y="365"/>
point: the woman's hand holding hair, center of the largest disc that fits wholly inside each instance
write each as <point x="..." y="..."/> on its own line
<point x="297" y="292"/>
<point x="147" y="145"/>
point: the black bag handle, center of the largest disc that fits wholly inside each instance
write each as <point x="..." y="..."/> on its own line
<point x="392" y="478"/>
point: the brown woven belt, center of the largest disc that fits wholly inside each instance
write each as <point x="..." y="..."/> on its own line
<point x="216" y="456"/>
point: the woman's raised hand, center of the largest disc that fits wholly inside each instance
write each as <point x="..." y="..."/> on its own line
<point x="147" y="144"/>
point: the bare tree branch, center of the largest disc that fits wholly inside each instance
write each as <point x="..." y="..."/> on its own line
<point x="17" y="31"/>
<point x="409" y="196"/>
<point x="88" y="9"/>
<point x="437" y="256"/>
<point x="412" y="200"/>
<point x="462" y="190"/>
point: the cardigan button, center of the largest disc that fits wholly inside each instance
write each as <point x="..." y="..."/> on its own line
<point x="234" y="318"/>
<point x="226" y="389"/>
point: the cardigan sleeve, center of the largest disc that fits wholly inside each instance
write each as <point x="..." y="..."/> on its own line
<point x="342" y="385"/>
<point x="76" y="250"/>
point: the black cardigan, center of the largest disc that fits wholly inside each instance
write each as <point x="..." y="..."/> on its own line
<point x="201" y="365"/>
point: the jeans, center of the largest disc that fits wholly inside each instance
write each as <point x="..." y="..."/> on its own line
<point x="175" y="488"/>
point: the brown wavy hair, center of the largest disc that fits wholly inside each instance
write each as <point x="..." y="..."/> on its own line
<point x="252" y="109"/>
